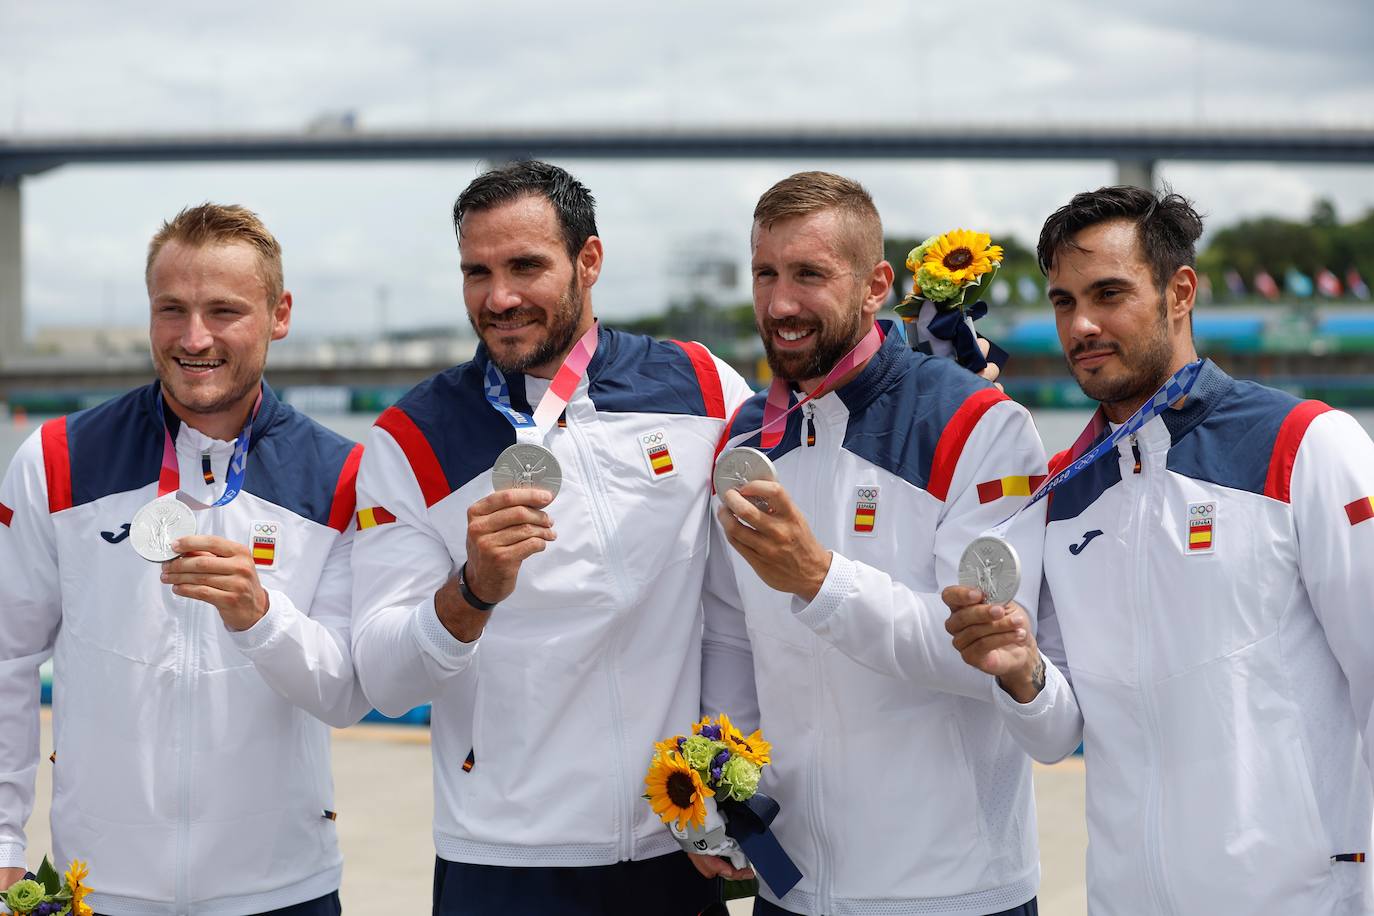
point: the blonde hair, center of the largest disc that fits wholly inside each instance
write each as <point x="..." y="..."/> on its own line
<point x="219" y="223"/>
<point x="806" y="193"/>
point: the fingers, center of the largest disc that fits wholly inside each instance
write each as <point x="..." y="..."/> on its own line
<point x="505" y="499"/>
<point x="205" y="543"/>
<point x="716" y="867"/>
<point x="207" y="564"/>
<point x="978" y="653"/>
<point x="1007" y="626"/>
<point x="960" y="596"/>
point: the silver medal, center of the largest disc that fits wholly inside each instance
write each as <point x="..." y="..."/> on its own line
<point x="990" y="565"/>
<point x="527" y="465"/>
<point x="157" y="525"/>
<point x="739" y="466"/>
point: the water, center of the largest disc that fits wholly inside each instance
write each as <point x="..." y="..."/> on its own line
<point x="1058" y="428"/>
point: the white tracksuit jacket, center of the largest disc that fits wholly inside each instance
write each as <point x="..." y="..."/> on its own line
<point x="901" y="789"/>
<point x="192" y="763"/>
<point x="544" y="727"/>
<point x="1214" y="606"/>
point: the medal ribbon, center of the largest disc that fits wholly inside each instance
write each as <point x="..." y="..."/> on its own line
<point x="775" y="409"/>
<point x="169" y="478"/>
<point x="564" y="385"/>
<point x="1177" y="386"/>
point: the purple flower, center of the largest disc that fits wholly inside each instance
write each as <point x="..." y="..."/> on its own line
<point x="715" y="774"/>
<point x="711" y="731"/>
<point x="722" y="757"/>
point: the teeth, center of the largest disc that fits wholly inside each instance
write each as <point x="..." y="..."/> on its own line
<point x="792" y="335"/>
<point x="200" y="363"/>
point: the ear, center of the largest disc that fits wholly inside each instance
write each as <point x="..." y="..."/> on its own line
<point x="1181" y="294"/>
<point x="281" y="316"/>
<point x="589" y="261"/>
<point x="878" y="288"/>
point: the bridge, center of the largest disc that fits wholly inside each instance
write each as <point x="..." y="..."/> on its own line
<point x="1135" y="150"/>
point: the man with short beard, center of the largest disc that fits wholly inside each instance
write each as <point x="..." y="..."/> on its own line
<point x="192" y="698"/>
<point x="558" y="639"/>
<point x="1210" y="574"/>
<point x="901" y="790"/>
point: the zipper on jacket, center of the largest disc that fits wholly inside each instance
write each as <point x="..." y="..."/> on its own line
<point x="190" y="661"/>
<point x="809" y="486"/>
<point x="1135" y="450"/>
<point x="605" y="527"/>
<point x="810" y="425"/>
<point x="1154" y="864"/>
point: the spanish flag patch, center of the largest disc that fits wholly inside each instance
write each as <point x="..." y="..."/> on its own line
<point x="374" y="516"/>
<point x="1361" y="510"/>
<point x="1009" y="486"/>
<point x="865" y="510"/>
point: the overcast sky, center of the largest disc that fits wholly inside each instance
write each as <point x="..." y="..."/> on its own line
<point x="363" y="240"/>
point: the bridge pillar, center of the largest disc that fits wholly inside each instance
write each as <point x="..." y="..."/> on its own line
<point x="1138" y="173"/>
<point x="11" y="269"/>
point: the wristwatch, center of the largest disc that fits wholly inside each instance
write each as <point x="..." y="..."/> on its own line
<point x="468" y="596"/>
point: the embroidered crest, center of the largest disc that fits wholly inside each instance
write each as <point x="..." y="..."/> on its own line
<point x="865" y="510"/>
<point x="266" y="544"/>
<point x="659" y="458"/>
<point x="1201" y="534"/>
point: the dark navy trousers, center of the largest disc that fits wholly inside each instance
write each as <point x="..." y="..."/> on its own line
<point x="764" y="908"/>
<point x="328" y="905"/>
<point x="663" y="886"/>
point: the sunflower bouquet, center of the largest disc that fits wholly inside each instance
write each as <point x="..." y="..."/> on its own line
<point x="705" y="787"/>
<point x="48" y="894"/>
<point x="949" y="274"/>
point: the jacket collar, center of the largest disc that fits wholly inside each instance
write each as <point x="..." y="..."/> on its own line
<point x="268" y="413"/>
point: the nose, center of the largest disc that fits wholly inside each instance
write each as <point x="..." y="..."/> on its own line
<point x="502" y="297"/>
<point x="1082" y="326"/>
<point x="782" y="301"/>
<point x="196" y="337"/>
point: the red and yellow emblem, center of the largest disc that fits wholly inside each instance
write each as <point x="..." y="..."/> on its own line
<point x="865" y="509"/>
<point x="374" y="516"/>
<point x="266" y="541"/>
<point x="1361" y="510"/>
<point x="6" y="515"/>
<point x="1009" y="486"/>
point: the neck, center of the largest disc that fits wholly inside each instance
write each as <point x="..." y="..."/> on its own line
<point x="1121" y="411"/>
<point x="812" y="385"/>
<point x="224" y="425"/>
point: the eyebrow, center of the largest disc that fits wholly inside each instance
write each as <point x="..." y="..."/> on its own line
<point x="1095" y="285"/>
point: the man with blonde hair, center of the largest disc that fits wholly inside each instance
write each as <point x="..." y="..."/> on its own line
<point x="901" y="789"/>
<point x="194" y="686"/>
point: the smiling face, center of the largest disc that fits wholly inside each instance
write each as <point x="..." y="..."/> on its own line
<point x="210" y="327"/>
<point x="1122" y="336"/>
<point x="811" y="303"/>
<point x="526" y="299"/>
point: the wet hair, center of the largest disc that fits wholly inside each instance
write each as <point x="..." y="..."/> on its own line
<point x="1167" y="227"/>
<point x="806" y="193"/>
<point x="217" y="224"/>
<point x="571" y="201"/>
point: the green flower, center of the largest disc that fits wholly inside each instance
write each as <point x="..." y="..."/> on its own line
<point x="24" y="895"/>
<point x="918" y="254"/>
<point x="936" y="289"/>
<point x="698" y="750"/>
<point x="739" y="779"/>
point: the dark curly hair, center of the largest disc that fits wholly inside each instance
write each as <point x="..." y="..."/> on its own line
<point x="1167" y="227"/>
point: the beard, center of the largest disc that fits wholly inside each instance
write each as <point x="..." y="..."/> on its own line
<point x="244" y="377"/>
<point x="558" y="339"/>
<point x="1146" y="365"/>
<point x="831" y="344"/>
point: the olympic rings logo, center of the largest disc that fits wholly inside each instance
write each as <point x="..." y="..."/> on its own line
<point x="867" y="492"/>
<point x="1205" y="509"/>
<point x="264" y="528"/>
<point x="652" y="438"/>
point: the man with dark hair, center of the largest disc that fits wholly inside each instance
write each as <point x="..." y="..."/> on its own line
<point x="901" y="790"/>
<point x="1209" y="574"/>
<point x="192" y="695"/>
<point x="558" y="639"/>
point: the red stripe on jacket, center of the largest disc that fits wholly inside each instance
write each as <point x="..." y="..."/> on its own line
<point x="1280" y="476"/>
<point x="708" y="377"/>
<point x="423" y="462"/>
<point x="346" y="491"/>
<point x="57" y="464"/>
<point x="954" y="437"/>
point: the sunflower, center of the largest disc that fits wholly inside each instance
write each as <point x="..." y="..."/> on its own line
<point x="753" y="748"/>
<point x="676" y="791"/>
<point x="668" y="745"/>
<point x="961" y="255"/>
<point x="76" y="873"/>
